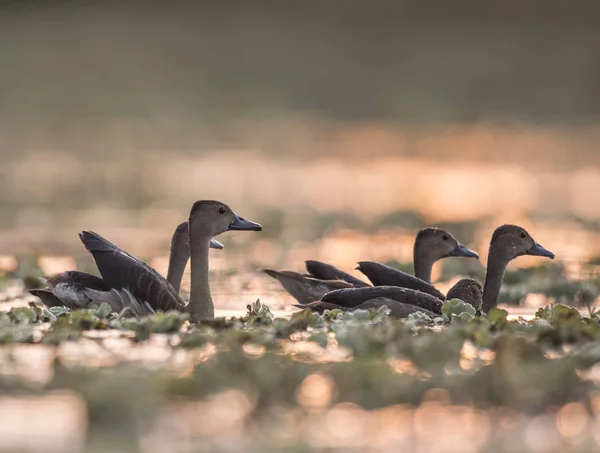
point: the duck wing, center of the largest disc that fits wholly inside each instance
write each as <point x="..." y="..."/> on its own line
<point x="120" y="270"/>
<point x="319" y="306"/>
<point x="397" y="309"/>
<point x="382" y="275"/>
<point x="77" y="290"/>
<point x="119" y="299"/>
<point x="324" y="271"/>
<point x="353" y="297"/>
<point x="305" y="289"/>
<point x="67" y="289"/>
<point x="78" y="280"/>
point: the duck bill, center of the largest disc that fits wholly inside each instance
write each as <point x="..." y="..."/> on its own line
<point x="240" y="224"/>
<point x="214" y="244"/>
<point x="538" y="250"/>
<point x="465" y="252"/>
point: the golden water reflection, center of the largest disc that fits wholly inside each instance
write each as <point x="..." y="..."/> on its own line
<point x="225" y="422"/>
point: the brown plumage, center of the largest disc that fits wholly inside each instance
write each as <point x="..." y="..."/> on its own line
<point x="467" y="290"/>
<point x="353" y="297"/>
<point x="397" y="309"/>
<point x="324" y="271"/>
<point x="401" y="301"/>
<point x="508" y="242"/>
<point x="431" y="244"/>
<point x="304" y="288"/>
<point x="382" y="275"/>
<point x="128" y="282"/>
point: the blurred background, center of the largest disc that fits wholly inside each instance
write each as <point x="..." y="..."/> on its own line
<point x="341" y="126"/>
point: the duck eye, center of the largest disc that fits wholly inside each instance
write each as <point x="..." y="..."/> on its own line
<point x="221" y="210"/>
<point x="445" y="237"/>
<point x="523" y="235"/>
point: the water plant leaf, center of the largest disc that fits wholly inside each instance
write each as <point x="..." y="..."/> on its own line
<point x="497" y="316"/>
<point x="456" y="309"/>
<point x="25" y="315"/>
<point x="419" y="319"/>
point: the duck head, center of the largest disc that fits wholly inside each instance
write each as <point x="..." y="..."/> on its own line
<point x="210" y="218"/>
<point x="508" y="242"/>
<point x="441" y="244"/>
<point x="511" y="241"/>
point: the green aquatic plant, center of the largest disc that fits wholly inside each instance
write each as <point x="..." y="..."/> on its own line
<point x="24" y="315"/>
<point x="457" y="310"/>
<point x="62" y="331"/>
<point x="497" y="317"/>
<point x="420" y="319"/>
<point x="13" y="331"/>
<point x="311" y="364"/>
<point x="257" y="314"/>
<point x="169" y="322"/>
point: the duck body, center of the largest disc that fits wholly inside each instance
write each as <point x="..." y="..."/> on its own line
<point x="397" y="309"/>
<point x="508" y="242"/>
<point x="401" y="301"/>
<point x="78" y="290"/>
<point x="126" y="281"/>
<point x="353" y="297"/>
<point x="467" y="290"/>
<point x="431" y="244"/>
<point x="119" y="269"/>
<point x="129" y="282"/>
<point x="68" y="288"/>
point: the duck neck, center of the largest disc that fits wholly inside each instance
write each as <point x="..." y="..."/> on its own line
<point x="201" y="305"/>
<point x="496" y="267"/>
<point x="423" y="262"/>
<point x="178" y="258"/>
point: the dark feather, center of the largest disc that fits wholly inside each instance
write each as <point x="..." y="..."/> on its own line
<point x="119" y="269"/>
<point x="382" y="275"/>
<point x="79" y="280"/>
<point x="397" y="309"/>
<point x="353" y="297"/>
<point x="326" y="271"/>
<point x="305" y="289"/>
<point x="47" y="297"/>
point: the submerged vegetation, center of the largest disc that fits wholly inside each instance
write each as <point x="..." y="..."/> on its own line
<point x="262" y="383"/>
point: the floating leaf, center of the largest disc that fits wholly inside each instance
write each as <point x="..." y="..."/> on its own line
<point x="497" y="316"/>
<point x="457" y="309"/>
<point x="419" y="319"/>
<point x="23" y="315"/>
